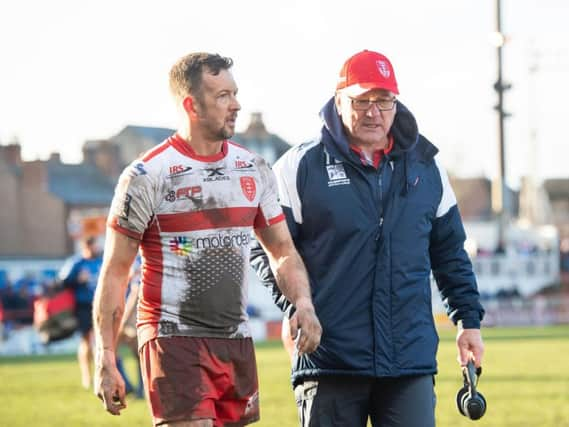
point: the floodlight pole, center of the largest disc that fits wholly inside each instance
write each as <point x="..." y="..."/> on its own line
<point x="499" y="204"/>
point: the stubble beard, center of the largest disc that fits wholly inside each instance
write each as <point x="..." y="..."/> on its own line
<point x="225" y="133"/>
<point x="217" y="133"/>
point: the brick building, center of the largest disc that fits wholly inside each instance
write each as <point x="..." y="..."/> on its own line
<point x="259" y="140"/>
<point x="41" y="198"/>
<point x="46" y="202"/>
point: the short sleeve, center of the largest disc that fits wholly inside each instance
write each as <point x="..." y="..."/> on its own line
<point x="133" y="204"/>
<point x="269" y="211"/>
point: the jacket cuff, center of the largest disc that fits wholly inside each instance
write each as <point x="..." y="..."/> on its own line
<point x="290" y="311"/>
<point x="468" y="323"/>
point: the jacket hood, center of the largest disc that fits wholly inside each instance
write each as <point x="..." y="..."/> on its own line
<point x="404" y="130"/>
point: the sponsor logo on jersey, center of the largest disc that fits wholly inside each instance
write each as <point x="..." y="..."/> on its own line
<point x="181" y="245"/>
<point x="228" y="240"/>
<point x="249" y="187"/>
<point x="215" y="174"/>
<point x="215" y="171"/>
<point x="125" y="210"/>
<point x="243" y="164"/>
<point x="137" y="170"/>
<point x="167" y="327"/>
<point x="170" y="196"/>
<point x="193" y="192"/>
<point x="179" y="170"/>
<point x="337" y="175"/>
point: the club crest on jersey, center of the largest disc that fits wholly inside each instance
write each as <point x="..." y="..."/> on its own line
<point x="337" y="175"/>
<point x="249" y="187"/>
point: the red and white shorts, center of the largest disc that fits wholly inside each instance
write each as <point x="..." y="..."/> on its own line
<point x="189" y="378"/>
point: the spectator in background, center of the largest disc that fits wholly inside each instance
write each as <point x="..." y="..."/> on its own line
<point x="81" y="274"/>
<point x="28" y="281"/>
<point x="5" y="291"/>
<point x="17" y="305"/>
<point x="25" y="305"/>
<point x="564" y="255"/>
<point x="1" y="322"/>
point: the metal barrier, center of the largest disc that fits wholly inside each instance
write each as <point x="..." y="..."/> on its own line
<point x="527" y="273"/>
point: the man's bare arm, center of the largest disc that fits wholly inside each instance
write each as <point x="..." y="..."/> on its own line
<point x="108" y="309"/>
<point x="292" y="280"/>
<point x="108" y="306"/>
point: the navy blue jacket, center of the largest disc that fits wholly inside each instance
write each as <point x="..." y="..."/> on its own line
<point x="69" y="275"/>
<point x="369" y="239"/>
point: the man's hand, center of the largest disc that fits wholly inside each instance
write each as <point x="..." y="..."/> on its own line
<point x="109" y="384"/>
<point x="305" y="327"/>
<point x="470" y="346"/>
<point x="292" y="279"/>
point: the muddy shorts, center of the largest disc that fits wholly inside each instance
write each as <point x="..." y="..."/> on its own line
<point x="188" y="378"/>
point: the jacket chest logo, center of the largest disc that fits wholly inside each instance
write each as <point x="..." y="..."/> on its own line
<point x="249" y="187"/>
<point x="337" y="175"/>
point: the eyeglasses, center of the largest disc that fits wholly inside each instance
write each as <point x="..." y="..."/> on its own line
<point x="365" y="104"/>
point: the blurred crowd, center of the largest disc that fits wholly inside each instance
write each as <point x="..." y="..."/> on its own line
<point x="17" y="296"/>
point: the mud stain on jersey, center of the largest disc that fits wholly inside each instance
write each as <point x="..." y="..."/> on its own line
<point x="214" y="298"/>
<point x="212" y="208"/>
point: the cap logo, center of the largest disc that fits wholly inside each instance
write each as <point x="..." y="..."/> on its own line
<point x="383" y="68"/>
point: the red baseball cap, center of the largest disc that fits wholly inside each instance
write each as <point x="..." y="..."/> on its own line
<point x="364" y="71"/>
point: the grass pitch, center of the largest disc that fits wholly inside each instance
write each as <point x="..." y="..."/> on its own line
<point x="525" y="382"/>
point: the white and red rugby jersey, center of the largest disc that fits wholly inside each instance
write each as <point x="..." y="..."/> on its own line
<point x="194" y="216"/>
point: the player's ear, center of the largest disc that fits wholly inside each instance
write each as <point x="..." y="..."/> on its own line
<point x="191" y="106"/>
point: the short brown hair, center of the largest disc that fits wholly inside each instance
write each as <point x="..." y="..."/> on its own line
<point x="186" y="74"/>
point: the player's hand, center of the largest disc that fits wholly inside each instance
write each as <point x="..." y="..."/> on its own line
<point x="109" y="384"/>
<point x="305" y="327"/>
<point x="470" y="346"/>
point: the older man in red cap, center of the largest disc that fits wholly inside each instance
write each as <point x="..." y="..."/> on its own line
<point x="372" y="213"/>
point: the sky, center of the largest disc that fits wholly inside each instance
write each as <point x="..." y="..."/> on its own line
<point x="75" y="70"/>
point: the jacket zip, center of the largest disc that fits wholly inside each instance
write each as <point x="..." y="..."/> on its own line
<point x="380" y="182"/>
